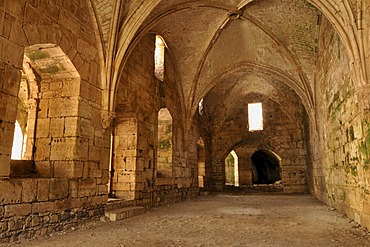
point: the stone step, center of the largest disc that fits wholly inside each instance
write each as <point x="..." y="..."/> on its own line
<point x="124" y="213"/>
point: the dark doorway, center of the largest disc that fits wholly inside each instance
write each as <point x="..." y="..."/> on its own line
<point x="265" y="167"/>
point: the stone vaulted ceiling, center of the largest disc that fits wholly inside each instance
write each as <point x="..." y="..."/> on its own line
<point x="211" y="39"/>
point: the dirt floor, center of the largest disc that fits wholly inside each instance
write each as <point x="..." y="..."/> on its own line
<point x="222" y="220"/>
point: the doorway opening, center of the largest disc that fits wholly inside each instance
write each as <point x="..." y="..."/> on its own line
<point x="232" y="169"/>
<point x="266" y="169"/>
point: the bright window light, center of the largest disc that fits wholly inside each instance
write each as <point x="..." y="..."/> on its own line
<point x="159" y="57"/>
<point x="255" y="118"/>
<point x="17" y="142"/>
<point x="201" y="107"/>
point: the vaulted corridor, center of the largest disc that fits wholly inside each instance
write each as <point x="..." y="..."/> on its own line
<point x="153" y="102"/>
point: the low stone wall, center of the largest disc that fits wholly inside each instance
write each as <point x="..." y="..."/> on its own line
<point x="36" y="207"/>
<point x="33" y="207"/>
<point x="166" y="194"/>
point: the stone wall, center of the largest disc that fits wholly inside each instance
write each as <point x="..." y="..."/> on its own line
<point x="139" y="98"/>
<point x="70" y="164"/>
<point x="41" y="206"/>
<point x="283" y="134"/>
<point x="340" y="151"/>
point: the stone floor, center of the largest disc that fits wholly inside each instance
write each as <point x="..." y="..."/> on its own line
<point x="228" y="219"/>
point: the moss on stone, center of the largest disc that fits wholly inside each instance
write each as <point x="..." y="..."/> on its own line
<point x="52" y="69"/>
<point x="37" y="55"/>
<point x="165" y="144"/>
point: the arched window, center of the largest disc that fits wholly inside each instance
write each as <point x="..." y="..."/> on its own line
<point x="159" y="57"/>
<point x="165" y="133"/>
<point x="232" y="169"/>
<point x="18" y="140"/>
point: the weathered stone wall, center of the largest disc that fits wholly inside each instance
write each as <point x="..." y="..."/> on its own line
<point x="140" y="96"/>
<point x="74" y="152"/>
<point x="283" y="134"/>
<point x="341" y="173"/>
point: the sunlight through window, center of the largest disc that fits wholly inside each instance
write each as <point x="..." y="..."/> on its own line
<point x="17" y="142"/>
<point x="255" y="118"/>
<point x="159" y="57"/>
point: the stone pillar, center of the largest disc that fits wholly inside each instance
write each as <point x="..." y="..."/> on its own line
<point x="124" y="158"/>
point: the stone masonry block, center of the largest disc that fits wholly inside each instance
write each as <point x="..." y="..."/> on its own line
<point x="130" y="163"/>
<point x="29" y="190"/>
<point x="17" y="210"/>
<point x="63" y="107"/>
<point x="56" y="127"/>
<point x="42" y="207"/>
<point x="63" y="148"/>
<point x="44" y="109"/>
<point x="42" y="149"/>
<point x="58" y="188"/>
<point x="12" y="77"/>
<point x="94" y="153"/>
<point x="70" y="126"/>
<point x="85" y="128"/>
<point x="11" y="191"/>
<point x="81" y="149"/>
<point x="43" y="168"/>
<point x="102" y="189"/>
<point x="4" y="165"/>
<point x="73" y="188"/>
<point x="71" y="87"/>
<point x="43" y="189"/>
<point x="68" y="169"/>
<point x="87" y="187"/>
<point x="60" y="205"/>
<point x="43" y="125"/>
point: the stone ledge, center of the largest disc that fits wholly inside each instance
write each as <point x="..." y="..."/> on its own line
<point x="124" y="213"/>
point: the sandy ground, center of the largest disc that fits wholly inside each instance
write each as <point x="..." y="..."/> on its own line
<point x="222" y="220"/>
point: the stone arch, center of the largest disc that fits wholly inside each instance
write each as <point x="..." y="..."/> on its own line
<point x="52" y="100"/>
<point x="165" y="143"/>
<point x="347" y="26"/>
<point x="261" y="69"/>
<point x="293" y="174"/>
<point x="266" y="167"/>
<point x="232" y="169"/>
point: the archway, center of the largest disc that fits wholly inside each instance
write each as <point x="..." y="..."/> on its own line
<point x="164" y="154"/>
<point x="265" y="167"/>
<point x="47" y="113"/>
<point x="232" y="169"/>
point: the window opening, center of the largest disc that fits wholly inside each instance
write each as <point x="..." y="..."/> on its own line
<point x="255" y="117"/>
<point x="18" y="140"/>
<point x="201" y="107"/>
<point x="164" y="167"/>
<point x="159" y="57"/>
<point x="232" y="169"/>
